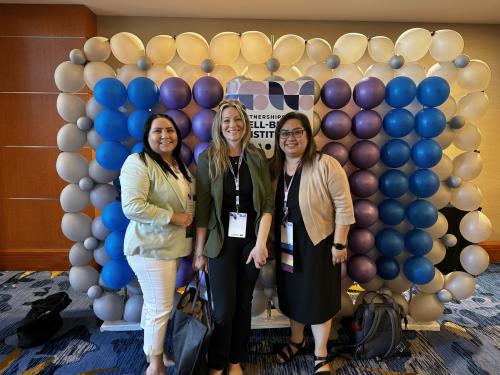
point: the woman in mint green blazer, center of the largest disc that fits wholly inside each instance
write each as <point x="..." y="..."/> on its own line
<point x="234" y="206"/>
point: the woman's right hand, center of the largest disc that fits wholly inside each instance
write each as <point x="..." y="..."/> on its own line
<point x="182" y="219"/>
<point x="200" y="262"/>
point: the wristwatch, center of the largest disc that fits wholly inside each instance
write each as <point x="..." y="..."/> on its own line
<point x="339" y="246"/>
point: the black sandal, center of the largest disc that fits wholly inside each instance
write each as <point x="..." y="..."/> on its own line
<point x="287" y="354"/>
<point x="323" y="362"/>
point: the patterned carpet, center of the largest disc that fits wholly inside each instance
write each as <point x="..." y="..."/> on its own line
<point x="468" y="343"/>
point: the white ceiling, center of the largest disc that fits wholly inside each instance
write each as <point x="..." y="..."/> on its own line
<point x="439" y="11"/>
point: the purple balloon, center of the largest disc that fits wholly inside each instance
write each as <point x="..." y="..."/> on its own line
<point x="366" y="124"/>
<point x="335" y="93"/>
<point x="181" y="120"/>
<point x="336" y="124"/>
<point x="175" y="93"/>
<point x="186" y="154"/>
<point x="369" y="92"/>
<point x="338" y="151"/>
<point x="202" y="124"/>
<point x="365" y="212"/>
<point x="343" y="270"/>
<point x="198" y="149"/>
<point x="364" y="183"/>
<point x="364" y="154"/>
<point x="184" y="272"/>
<point x="361" y="240"/>
<point x="361" y="268"/>
<point x="207" y="92"/>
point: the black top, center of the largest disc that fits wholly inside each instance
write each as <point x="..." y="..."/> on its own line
<point x="246" y="189"/>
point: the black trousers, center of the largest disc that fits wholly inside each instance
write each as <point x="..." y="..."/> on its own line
<point x="232" y="282"/>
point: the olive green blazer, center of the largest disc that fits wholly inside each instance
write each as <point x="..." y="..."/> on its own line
<point x="209" y="197"/>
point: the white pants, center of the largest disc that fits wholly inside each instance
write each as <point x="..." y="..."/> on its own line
<point x="157" y="280"/>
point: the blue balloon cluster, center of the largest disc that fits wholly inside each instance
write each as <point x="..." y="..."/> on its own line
<point x="391" y="212"/>
<point x="393" y="183"/>
<point x="395" y="153"/>
<point x="136" y="122"/>
<point x="426" y="153"/>
<point x="387" y="268"/>
<point x="114" y="245"/>
<point x="143" y="93"/>
<point x="424" y="183"/>
<point x="113" y="217"/>
<point x="429" y="122"/>
<point x="418" y="242"/>
<point x="110" y="92"/>
<point x="433" y="91"/>
<point x="419" y="270"/>
<point x="398" y="122"/>
<point x="389" y="242"/>
<point x="400" y="92"/>
<point x="111" y="125"/>
<point x="116" y="274"/>
<point x="421" y="213"/>
<point x="111" y="155"/>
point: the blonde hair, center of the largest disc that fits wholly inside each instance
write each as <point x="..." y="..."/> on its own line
<point x="218" y="150"/>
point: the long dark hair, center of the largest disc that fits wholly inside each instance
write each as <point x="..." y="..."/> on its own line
<point x="310" y="152"/>
<point x="155" y="156"/>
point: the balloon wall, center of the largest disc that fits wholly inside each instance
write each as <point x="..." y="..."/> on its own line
<point x="389" y="125"/>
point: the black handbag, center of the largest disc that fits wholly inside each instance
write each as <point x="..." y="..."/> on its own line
<point x="192" y="326"/>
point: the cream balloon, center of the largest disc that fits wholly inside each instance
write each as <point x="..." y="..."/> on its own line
<point x="381" y="71"/>
<point x="435" y="285"/>
<point x="475" y="227"/>
<point x="414" y="107"/>
<point x="467" y="138"/>
<point x="445" y="70"/>
<point x="346" y="305"/>
<point x="446" y="45"/>
<point x="475" y="76"/>
<point x="128" y="72"/>
<point x="161" y="49"/>
<point x="445" y="139"/>
<point x="473" y="106"/>
<point x="97" y="48"/>
<point x="439" y="228"/>
<point x="192" y="48"/>
<point x="223" y="74"/>
<point x="159" y="73"/>
<point x="289" y="73"/>
<point x="191" y="73"/>
<point x="316" y="125"/>
<point x="373" y="284"/>
<point x="225" y="48"/>
<point x="468" y="165"/>
<point x="69" y="77"/>
<point x="95" y="71"/>
<point x="401" y="301"/>
<point x="444" y="168"/>
<point x="474" y="259"/>
<point x="412" y="70"/>
<point x="380" y="48"/>
<point x="289" y="48"/>
<point x="257" y="72"/>
<point x="350" y="73"/>
<point x="350" y="47"/>
<point x="401" y="258"/>
<point x="437" y="253"/>
<point x="442" y="197"/>
<point x="318" y="49"/>
<point x="256" y="47"/>
<point x="399" y="284"/>
<point x="413" y="44"/>
<point x="126" y="47"/>
<point x="425" y="307"/>
<point x="320" y="72"/>
<point x="70" y="107"/>
<point x="449" y="108"/>
<point x="460" y="284"/>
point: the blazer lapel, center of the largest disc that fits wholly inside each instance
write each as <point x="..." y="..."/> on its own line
<point x="174" y="184"/>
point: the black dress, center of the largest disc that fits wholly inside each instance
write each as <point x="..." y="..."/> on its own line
<point x="311" y="294"/>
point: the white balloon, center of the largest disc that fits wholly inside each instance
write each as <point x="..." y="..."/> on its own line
<point x="468" y="165"/>
<point x="412" y="70"/>
<point x="70" y="107"/>
<point x="449" y="108"/>
<point x="445" y="70"/>
<point x="191" y="73"/>
<point x="128" y="72"/>
<point x="192" y="48"/>
<point x="445" y="139"/>
<point x="475" y="76"/>
<point x="467" y="138"/>
<point x="350" y="73"/>
<point x="350" y="47"/>
<point x="225" y="48"/>
<point x="81" y="278"/>
<point x="435" y="285"/>
<point x="444" y="168"/>
<point x="380" y="48"/>
<point x="414" y="107"/>
<point x="159" y="73"/>
<point x="127" y="47"/>
<point x="289" y="73"/>
<point x="437" y="253"/>
<point x="381" y="71"/>
<point x="318" y="49"/>
<point x="442" y="197"/>
<point x="475" y="227"/>
<point x="467" y="197"/>
<point x="289" y="48"/>
<point x="97" y="49"/>
<point x="460" y="284"/>
<point x="446" y="45"/>
<point x="256" y="47"/>
<point x="95" y="71"/>
<point x="224" y="74"/>
<point x="256" y="72"/>
<point x="92" y="108"/>
<point x="413" y="44"/>
<point x="161" y="49"/>
<point x="70" y="138"/>
<point x="320" y="72"/>
<point x="440" y="227"/>
<point x="473" y="106"/>
<point x="68" y="77"/>
<point x="474" y="259"/>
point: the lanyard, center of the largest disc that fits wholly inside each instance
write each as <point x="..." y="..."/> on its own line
<point x="237" y="180"/>
<point x="286" y="189"/>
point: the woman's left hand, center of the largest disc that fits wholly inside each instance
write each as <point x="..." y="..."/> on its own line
<point x="258" y="255"/>
<point x="338" y="256"/>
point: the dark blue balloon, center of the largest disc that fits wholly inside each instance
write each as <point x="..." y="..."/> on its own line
<point x="116" y="274"/>
<point x="113" y="217"/>
<point x="137" y="148"/>
<point x="426" y="153"/>
<point x="400" y="92"/>
<point x="419" y="270"/>
<point x="207" y="92"/>
<point x="418" y="242"/>
<point x="433" y="91"/>
<point x="202" y="124"/>
<point x="429" y="122"/>
<point x="111" y="155"/>
<point x="421" y="213"/>
<point x="391" y="212"/>
<point x="143" y="93"/>
<point x="175" y="93"/>
<point x="424" y="183"/>
<point x="393" y="183"/>
<point x="387" y="268"/>
<point x="114" y="245"/>
<point x="136" y="122"/>
<point x="111" y="125"/>
<point x="398" y="122"/>
<point x="389" y="242"/>
<point x="395" y="153"/>
<point x="110" y="92"/>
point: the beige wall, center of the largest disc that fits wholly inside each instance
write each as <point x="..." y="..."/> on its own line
<point x="481" y="42"/>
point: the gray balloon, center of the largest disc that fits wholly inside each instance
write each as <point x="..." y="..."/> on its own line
<point x="274" y="78"/>
<point x="461" y="61"/>
<point x="76" y="226"/>
<point x="70" y="107"/>
<point x="90" y="243"/>
<point x="81" y="278"/>
<point x="71" y="167"/>
<point x="77" y="56"/>
<point x="474" y="259"/>
<point x="109" y="307"/>
<point x="73" y="199"/>
<point x="84" y="123"/>
<point x="70" y="138"/>
<point x="133" y="309"/>
<point x="101" y="175"/>
<point x="273" y="64"/>
<point x="92" y="108"/>
<point x="457" y="122"/>
<point x="79" y="256"/>
<point x="93" y="139"/>
<point x="127" y="108"/>
<point x="86" y="184"/>
<point x="101" y="256"/>
<point x="449" y="240"/>
<point x="461" y="284"/>
<point x="317" y="88"/>
<point x="102" y="194"/>
<point x="259" y="303"/>
<point x="267" y="274"/>
<point x="144" y="63"/>
<point x="444" y="296"/>
<point x="333" y="61"/>
<point x="396" y="61"/>
<point x="95" y="291"/>
<point x="207" y="65"/>
<point x="129" y="142"/>
<point x="454" y="181"/>
<point x="99" y="230"/>
<point x="134" y="287"/>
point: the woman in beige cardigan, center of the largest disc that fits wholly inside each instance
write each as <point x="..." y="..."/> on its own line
<point x="313" y="213"/>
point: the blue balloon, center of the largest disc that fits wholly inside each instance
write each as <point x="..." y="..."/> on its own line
<point x="113" y="217"/>
<point x="111" y="155"/>
<point x="136" y="122"/>
<point x="421" y="213"/>
<point x="418" y="242"/>
<point x="433" y="91"/>
<point x="387" y="268"/>
<point x="110" y="92"/>
<point x="137" y="148"/>
<point x="393" y="183"/>
<point x="400" y="92"/>
<point x="426" y="153"/>
<point x="111" y="125"/>
<point x="398" y="122"/>
<point x="389" y="242"/>
<point x="202" y="124"/>
<point x="395" y="153"/>
<point x="143" y="93"/>
<point x="424" y="183"/>
<point x="207" y="92"/>
<point x="114" y="245"/>
<point x="391" y="212"/>
<point x="429" y="122"/>
<point x="419" y="270"/>
<point x="116" y="274"/>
